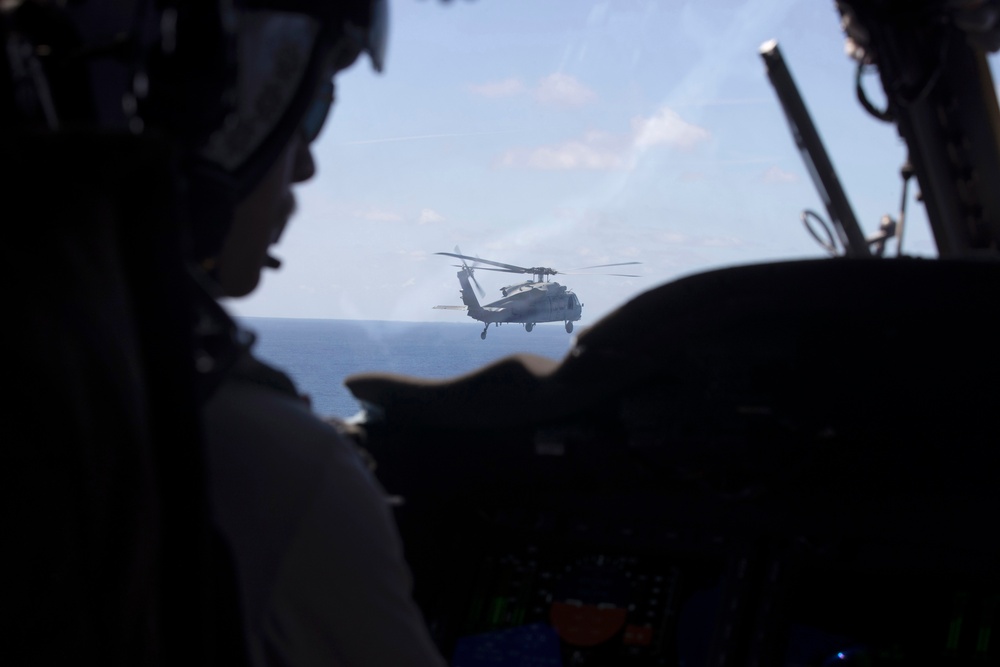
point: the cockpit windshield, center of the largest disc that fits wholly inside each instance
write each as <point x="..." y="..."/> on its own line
<point x="573" y="134"/>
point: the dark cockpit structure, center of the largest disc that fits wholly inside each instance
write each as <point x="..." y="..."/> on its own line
<point x="783" y="464"/>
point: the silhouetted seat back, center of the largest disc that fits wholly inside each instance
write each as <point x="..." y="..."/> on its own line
<point x="109" y="523"/>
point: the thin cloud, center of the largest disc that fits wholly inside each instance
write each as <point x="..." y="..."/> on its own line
<point x="563" y="90"/>
<point x="505" y="88"/>
<point x="412" y="137"/>
<point x="698" y="240"/>
<point x="778" y="175"/>
<point x="718" y="241"/>
<point x="555" y="90"/>
<point x="745" y="160"/>
<point x="666" y="127"/>
<point x="378" y="215"/>
<point x="603" y="150"/>
<point x="595" y="150"/>
<point x="413" y="255"/>
<point x="429" y="216"/>
<point x="724" y="102"/>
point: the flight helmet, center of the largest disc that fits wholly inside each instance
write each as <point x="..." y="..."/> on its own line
<point x="227" y="82"/>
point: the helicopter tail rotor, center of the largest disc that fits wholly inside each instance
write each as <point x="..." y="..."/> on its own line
<point x="471" y="271"/>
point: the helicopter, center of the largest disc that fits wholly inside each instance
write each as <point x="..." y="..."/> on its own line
<point x="528" y="303"/>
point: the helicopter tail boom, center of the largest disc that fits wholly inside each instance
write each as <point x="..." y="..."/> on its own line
<point x="476" y="311"/>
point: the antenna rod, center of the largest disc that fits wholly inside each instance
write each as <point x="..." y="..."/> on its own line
<point x="813" y="153"/>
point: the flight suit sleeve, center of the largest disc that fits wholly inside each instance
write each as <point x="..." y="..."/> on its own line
<point x="323" y="577"/>
<point x="342" y="591"/>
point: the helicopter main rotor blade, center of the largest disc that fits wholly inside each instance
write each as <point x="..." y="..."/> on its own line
<point x="603" y="266"/>
<point x="620" y="275"/>
<point x="510" y="267"/>
<point x="487" y="268"/>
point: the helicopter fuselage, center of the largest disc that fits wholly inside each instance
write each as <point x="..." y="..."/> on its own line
<point x="537" y="302"/>
<point x="525" y="303"/>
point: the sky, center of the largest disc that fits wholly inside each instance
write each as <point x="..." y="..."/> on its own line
<point x="571" y="133"/>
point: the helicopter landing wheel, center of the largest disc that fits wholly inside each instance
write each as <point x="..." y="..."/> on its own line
<point x="529" y="326"/>
<point x="569" y="327"/>
<point x="483" y="335"/>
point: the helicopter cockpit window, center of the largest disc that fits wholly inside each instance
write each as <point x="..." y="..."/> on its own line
<point x="563" y="134"/>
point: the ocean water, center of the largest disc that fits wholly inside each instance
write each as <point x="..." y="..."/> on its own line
<point x="319" y="354"/>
